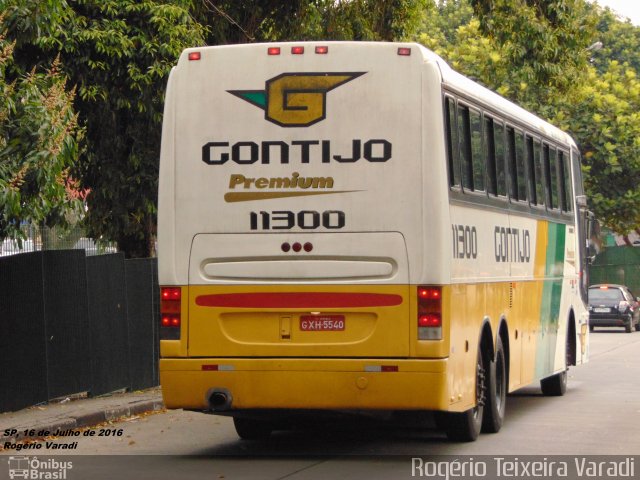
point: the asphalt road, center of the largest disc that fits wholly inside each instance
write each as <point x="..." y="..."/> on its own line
<point x="599" y="415"/>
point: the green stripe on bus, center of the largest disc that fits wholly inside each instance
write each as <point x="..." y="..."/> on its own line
<point x="551" y="298"/>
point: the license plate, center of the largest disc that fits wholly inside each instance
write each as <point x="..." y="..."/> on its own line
<point x="601" y="310"/>
<point x="322" y="323"/>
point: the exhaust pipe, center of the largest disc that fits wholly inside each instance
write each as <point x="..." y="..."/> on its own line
<point x="219" y="399"/>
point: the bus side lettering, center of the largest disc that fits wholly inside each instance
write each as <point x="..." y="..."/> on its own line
<point x="512" y="245"/>
<point x="465" y="241"/>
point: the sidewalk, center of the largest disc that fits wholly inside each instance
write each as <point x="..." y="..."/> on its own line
<point x="78" y="413"/>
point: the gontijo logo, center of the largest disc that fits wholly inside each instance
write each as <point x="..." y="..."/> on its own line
<point x="295" y="99"/>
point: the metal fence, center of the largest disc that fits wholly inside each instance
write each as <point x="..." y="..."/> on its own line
<point x="74" y="324"/>
<point x="40" y="238"/>
<point x="617" y="265"/>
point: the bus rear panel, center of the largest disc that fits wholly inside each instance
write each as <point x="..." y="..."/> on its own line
<point x="291" y="209"/>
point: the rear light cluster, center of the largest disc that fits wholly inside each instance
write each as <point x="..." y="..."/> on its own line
<point x="296" y="247"/>
<point x="429" y="313"/>
<point x="298" y="50"/>
<point x="170" y="300"/>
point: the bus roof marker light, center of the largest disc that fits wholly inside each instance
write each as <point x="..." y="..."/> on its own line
<point x="194" y="56"/>
<point x="297" y="50"/>
<point x="322" y="50"/>
<point x="404" y="51"/>
<point x="273" y="51"/>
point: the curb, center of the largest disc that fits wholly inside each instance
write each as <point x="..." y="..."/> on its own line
<point x="87" y="419"/>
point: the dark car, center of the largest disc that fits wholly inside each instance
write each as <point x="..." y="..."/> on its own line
<point x="613" y="306"/>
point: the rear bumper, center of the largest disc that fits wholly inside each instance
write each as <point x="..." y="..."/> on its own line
<point x="608" y="320"/>
<point x="322" y="384"/>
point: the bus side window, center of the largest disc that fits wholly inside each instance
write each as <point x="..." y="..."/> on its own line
<point x="540" y="179"/>
<point x="511" y="161"/>
<point x="501" y="174"/>
<point x="566" y="192"/>
<point x="521" y="175"/>
<point x="531" y="174"/>
<point x="452" y="142"/>
<point x="569" y="182"/>
<point x="490" y="153"/>
<point x="464" y="135"/>
<point x="477" y="152"/>
<point x="551" y="175"/>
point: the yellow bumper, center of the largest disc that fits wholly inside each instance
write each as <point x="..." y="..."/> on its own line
<point x="327" y="384"/>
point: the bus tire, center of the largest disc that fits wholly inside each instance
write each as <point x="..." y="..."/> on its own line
<point x="466" y="426"/>
<point x="251" y="429"/>
<point x="555" y="385"/>
<point x="496" y="394"/>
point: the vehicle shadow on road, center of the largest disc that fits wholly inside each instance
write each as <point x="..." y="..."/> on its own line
<point x="351" y="437"/>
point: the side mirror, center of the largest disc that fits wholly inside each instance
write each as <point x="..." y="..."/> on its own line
<point x="581" y="201"/>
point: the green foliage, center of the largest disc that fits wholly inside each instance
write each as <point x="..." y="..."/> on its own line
<point x="455" y="35"/>
<point x="39" y="137"/>
<point x="620" y="41"/>
<point x="267" y="20"/>
<point x="118" y="53"/>
<point x="604" y="115"/>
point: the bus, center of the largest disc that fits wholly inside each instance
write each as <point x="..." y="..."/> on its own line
<point x="354" y="227"/>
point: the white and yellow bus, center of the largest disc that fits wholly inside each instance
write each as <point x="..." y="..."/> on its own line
<point x="356" y="227"/>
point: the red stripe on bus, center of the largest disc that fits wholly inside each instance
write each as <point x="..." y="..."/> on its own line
<point x="299" y="300"/>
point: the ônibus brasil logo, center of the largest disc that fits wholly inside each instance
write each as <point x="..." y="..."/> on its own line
<point x="295" y="99"/>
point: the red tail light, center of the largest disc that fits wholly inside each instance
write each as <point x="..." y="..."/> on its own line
<point x="171" y="293"/>
<point x="430" y="320"/>
<point x="170" y="303"/>
<point x="429" y="313"/>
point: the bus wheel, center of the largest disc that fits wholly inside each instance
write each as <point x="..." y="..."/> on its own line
<point x="554" y="386"/>
<point x="465" y="426"/>
<point x="250" y="429"/>
<point x="496" y="397"/>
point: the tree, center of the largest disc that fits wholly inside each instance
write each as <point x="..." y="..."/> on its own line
<point x="603" y="115"/>
<point x="229" y="21"/>
<point x="455" y="34"/>
<point x="620" y="41"/>
<point x="118" y="53"/>
<point x="544" y="43"/>
<point x="39" y="137"/>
